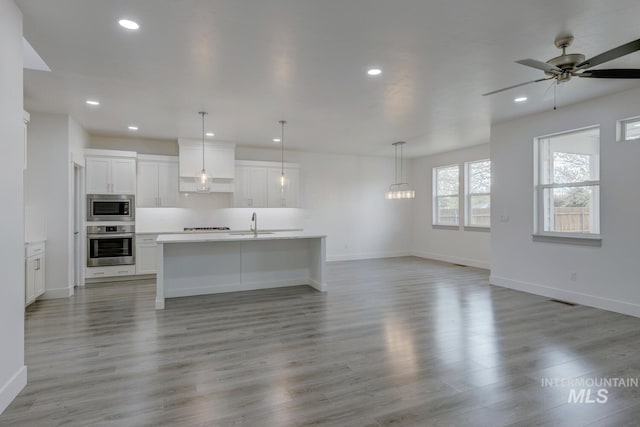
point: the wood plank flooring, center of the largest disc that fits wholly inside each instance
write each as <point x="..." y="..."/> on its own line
<point x="402" y="342"/>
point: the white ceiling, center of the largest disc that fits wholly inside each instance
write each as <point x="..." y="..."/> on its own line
<point x="251" y="63"/>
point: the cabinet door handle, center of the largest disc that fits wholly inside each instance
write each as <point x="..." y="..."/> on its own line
<point x="98" y="273"/>
<point x="123" y="272"/>
<point x="37" y="264"/>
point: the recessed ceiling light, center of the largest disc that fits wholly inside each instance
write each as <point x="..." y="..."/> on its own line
<point x="128" y="24"/>
<point x="374" y="71"/>
<point x="210" y="134"/>
<point x="92" y="102"/>
<point x="133" y="128"/>
<point x="276" y="140"/>
<point x="520" y="99"/>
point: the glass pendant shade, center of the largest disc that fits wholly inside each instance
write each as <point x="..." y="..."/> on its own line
<point x="399" y="189"/>
<point x="203" y="184"/>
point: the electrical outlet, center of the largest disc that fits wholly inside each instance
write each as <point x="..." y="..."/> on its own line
<point x="574" y="276"/>
<point x="504" y="218"/>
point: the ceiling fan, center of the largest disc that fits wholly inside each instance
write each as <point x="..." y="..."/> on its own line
<point x="562" y="68"/>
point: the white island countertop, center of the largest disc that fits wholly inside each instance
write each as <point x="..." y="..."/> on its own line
<point x="231" y="236"/>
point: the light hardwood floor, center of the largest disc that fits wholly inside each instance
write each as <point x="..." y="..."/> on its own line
<point x="401" y="341"/>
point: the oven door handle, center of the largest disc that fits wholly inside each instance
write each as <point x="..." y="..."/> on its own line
<point x="107" y="236"/>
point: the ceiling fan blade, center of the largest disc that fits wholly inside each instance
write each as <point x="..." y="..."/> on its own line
<point x="610" y="55"/>
<point x="518" y="85"/>
<point x="614" y="73"/>
<point x="539" y="65"/>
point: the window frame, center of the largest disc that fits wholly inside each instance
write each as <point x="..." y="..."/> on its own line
<point x="539" y="190"/>
<point x="468" y="194"/>
<point x="622" y="129"/>
<point x="435" y="217"/>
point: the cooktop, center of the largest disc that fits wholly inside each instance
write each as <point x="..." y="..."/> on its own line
<point x="206" y="228"/>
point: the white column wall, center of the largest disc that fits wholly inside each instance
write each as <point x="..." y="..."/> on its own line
<point x="13" y="372"/>
<point x="456" y="246"/>
<point x="606" y="276"/>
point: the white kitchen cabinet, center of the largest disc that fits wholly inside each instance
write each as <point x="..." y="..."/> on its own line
<point x="146" y="253"/>
<point x="109" y="271"/>
<point x="34" y="272"/>
<point x="250" y="187"/>
<point x="274" y="193"/>
<point x="157" y="181"/>
<point x="219" y="162"/>
<point x="258" y="185"/>
<point x="110" y="174"/>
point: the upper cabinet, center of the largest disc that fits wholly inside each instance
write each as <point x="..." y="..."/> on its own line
<point x="250" y="187"/>
<point x="257" y="185"/>
<point x="275" y="196"/>
<point x="219" y="162"/>
<point x="110" y="172"/>
<point x="157" y="181"/>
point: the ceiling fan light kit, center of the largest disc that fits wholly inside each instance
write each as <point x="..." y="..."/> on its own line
<point x="562" y="68"/>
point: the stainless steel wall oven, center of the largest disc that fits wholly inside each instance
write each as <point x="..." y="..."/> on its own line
<point x="111" y="245"/>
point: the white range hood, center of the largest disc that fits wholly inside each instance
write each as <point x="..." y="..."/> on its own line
<point x="219" y="161"/>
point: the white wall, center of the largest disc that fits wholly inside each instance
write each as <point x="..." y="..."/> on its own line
<point x="607" y="276"/>
<point x="55" y="142"/>
<point x="13" y="373"/>
<point x="457" y="246"/>
<point x="342" y="196"/>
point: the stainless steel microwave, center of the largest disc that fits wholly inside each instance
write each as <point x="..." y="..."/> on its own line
<point x="110" y="207"/>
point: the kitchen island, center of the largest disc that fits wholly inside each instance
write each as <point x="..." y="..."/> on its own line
<point x="205" y="263"/>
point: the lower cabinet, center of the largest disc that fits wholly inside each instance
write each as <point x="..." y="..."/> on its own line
<point x="34" y="272"/>
<point x="109" y="271"/>
<point x="146" y="253"/>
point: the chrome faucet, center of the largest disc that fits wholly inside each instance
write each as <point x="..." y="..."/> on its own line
<point x="254" y="223"/>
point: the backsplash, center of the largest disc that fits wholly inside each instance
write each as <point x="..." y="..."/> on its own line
<point x="211" y="210"/>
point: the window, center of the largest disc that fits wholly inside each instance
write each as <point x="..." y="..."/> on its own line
<point x="446" y="202"/>
<point x="568" y="183"/>
<point x="630" y="129"/>
<point x="478" y="193"/>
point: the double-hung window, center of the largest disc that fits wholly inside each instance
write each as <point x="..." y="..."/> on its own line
<point x="478" y="193"/>
<point x="446" y="201"/>
<point x="568" y="183"/>
<point x="630" y="129"/>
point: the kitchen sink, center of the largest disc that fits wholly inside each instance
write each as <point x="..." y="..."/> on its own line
<point x="248" y="233"/>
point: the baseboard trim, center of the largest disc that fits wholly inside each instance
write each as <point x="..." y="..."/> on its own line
<point x="617" y="306"/>
<point x="363" y="256"/>
<point x="57" y="293"/>
<point x="322" y="287"/>
<point x="11" y="388"/>
<point x="453" y="260"/>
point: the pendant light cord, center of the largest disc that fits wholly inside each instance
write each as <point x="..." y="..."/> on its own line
<point x="282" y="122"/>
<point x="202" y="113"/>
<point x="401" y="157"/>
<point x="395" y="164"/>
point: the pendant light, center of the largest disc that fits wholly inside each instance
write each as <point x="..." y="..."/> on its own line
<point x="284" y="182"/>
<point x="399" y="189"/>
<point x="202" y="179"/>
